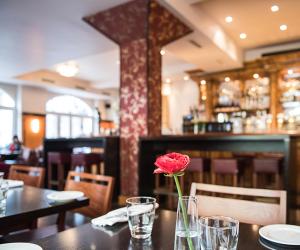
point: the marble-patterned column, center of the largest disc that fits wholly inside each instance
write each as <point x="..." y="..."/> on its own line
<point x="141" y="28"/>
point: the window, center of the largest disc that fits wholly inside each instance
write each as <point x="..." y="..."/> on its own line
<point x="68" y="116"/>
<point x="7" y="111"/>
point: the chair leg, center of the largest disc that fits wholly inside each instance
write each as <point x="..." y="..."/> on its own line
<point x="60" y="176"/>
<point x="235" y="180"/>
<point x="61" y="221"/>
<point x="254" y="180"/>
<point x="49" y="175"/>
<point x="277" y="181"/>
<point x="213" y="178"/>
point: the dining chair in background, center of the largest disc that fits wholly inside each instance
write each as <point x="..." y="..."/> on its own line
<point x="258" y="210"/>
<point x="31" y="176"/>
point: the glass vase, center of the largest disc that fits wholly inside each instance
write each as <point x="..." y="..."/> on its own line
<point x="187" y="232"/>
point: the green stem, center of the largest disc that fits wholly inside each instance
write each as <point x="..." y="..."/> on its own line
<point x="184" y="214"/>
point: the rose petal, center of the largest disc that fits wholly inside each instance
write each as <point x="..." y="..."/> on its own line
<point x="172" y="163"/>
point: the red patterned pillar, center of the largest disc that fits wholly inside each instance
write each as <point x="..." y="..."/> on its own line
<point x="141" y="28"/>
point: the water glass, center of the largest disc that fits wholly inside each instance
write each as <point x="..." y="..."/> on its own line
<point x="3" y="194"/>
<point x="218" y="233"/>
<point x="186" y="232"/>
<point x="141" y="212"/>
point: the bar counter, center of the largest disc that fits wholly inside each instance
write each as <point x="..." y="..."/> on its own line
<point x="288" y="144"/>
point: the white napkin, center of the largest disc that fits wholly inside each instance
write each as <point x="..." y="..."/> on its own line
<point x="15" y="183"/>
<point x="120" y="215"/>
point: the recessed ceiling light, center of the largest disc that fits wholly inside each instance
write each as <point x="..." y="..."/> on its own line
<point x="186" y="78"/>
<point x="162" y="52"/>
<point x="290" y="72"/>
<point x="228" y="19"/>
<point x="203" y="82"/>
<point x="227" y="79"/>
<point x="255" y="76"/>
<point x="283" y="27"/>
<point x="243" y="35"/>
<point x="118" y="62"/>
<point x="168" y="80"/>
<point x="274" y="8"/>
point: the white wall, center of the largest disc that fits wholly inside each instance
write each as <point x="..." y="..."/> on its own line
<point x="184" y="94"/>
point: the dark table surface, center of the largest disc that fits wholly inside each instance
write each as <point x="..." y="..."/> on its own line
<point x="26" y="203"/>
<point x="118" y="237"/>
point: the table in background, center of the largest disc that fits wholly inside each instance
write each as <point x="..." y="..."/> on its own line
<point x="118" y="236"/>
<point x="25" y="204"/>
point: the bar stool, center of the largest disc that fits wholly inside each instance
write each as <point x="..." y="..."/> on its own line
<point x="194" y="172"/>
<point x="269" y="166"/>
<point x="86" y="161"/>
<point x="60" y="160"/>
<point x="224" y="167"/>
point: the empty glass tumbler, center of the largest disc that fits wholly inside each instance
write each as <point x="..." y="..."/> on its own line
<point x="141" y="212"/>
<point x="218" y="233"/>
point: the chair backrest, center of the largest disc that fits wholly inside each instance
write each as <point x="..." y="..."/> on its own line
<point x="32" y="176"/>
<point x="255" y="211"/>
<point x="266" y="165"/>
<point x="98" y="188"/>
<point x="225" y="166"/>
<point x="196" y="165"/>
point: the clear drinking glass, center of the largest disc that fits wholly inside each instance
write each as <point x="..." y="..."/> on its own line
<point x="218" y="233"/>
<point x="141" y="212"/>
<point x="186" y="232"/>
<point x="3" y="194"/>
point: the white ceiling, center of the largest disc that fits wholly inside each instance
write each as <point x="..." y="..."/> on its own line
<point x="256" y="19"/>
<point x="37" y="34"/>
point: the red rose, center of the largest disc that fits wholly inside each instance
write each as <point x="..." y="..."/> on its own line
<point x="171" y="163"/>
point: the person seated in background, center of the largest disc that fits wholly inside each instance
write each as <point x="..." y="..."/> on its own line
<point x="16" y="145"/>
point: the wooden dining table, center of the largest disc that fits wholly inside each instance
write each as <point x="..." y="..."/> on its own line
<point x="117" y="237"/>
<point x="25" y="204"/>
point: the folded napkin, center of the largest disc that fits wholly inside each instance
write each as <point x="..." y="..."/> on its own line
<point x="120" y="215"/>
<point x="14" y="183"/>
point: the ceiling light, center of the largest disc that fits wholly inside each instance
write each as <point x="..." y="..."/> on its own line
<point x="186" y="78"/>
<point x="68" y="69"/>
<point x="255" y="76"/>
<point x="274" y="8"/>
<point x="118" y="62"/>
<point x="203" y="82"/>
<point x="283" y="27"/>
<point x="228" y="19"/>
<point x="162" y="52"/>
<point x="227" y="79"/>
<point x="168" y="80"/>
<point x="243" y="35"/>
<point x="203" y="98"/>
<point x="290" y="72"/>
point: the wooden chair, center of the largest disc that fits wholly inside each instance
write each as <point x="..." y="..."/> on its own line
<point x="224" y="167"/>
<point x="32" y="176"/>
<point x="98" y="188"/>
<point x="246" y="211"/>
<point x="266" y="166"/>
